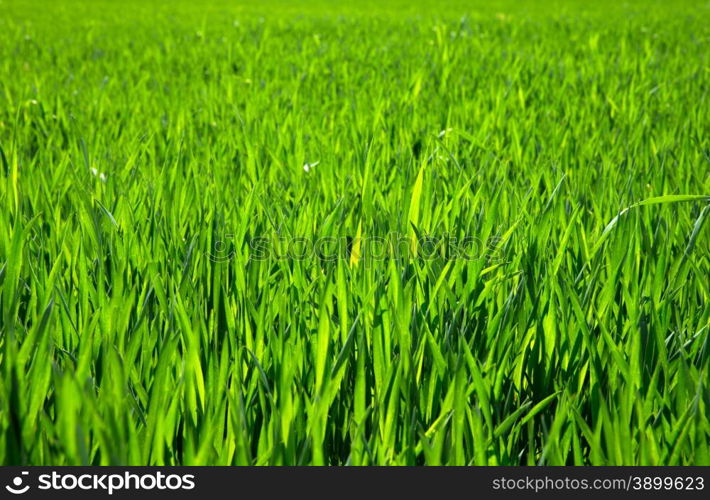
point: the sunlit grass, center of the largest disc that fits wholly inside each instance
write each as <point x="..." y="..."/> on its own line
<point x="146" y="147"/>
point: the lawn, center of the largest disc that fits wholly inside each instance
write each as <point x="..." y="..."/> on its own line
<point x="358" y="233"/>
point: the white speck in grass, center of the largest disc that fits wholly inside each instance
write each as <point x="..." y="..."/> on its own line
<point x="102" y="177"/>
<point x="444" y="132"/>
<point x="308" y="166"/>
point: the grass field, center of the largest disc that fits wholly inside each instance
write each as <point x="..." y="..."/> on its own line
<point x="324" y="233"/>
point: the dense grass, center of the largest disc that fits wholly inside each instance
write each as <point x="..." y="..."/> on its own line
<point x="146" y="148"/>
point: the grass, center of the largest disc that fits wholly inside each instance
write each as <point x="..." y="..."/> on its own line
<point x="162" y="163"/>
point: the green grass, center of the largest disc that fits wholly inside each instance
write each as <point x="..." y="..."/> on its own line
<point x="152" y="152"/>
